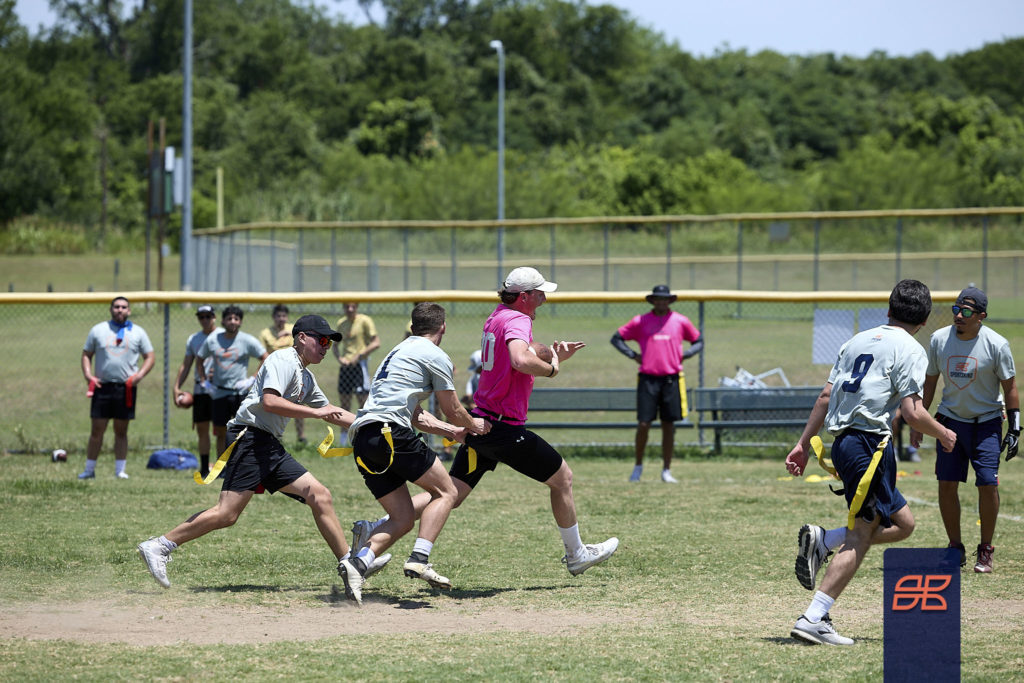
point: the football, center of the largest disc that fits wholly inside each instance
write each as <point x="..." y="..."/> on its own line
<point x="59" y="455"/>
<point x="183" y="400"/>
<point x="543" y="352"/>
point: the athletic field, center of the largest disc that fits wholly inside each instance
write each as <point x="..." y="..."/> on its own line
<point x="701" y="588"/>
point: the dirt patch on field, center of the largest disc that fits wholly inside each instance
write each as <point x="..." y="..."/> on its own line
<point x="103" y="622"/>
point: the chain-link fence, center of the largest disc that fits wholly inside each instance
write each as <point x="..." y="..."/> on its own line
<point x="44" y="404"/>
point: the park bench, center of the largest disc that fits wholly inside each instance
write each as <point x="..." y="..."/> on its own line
<point x="773" y="413"/>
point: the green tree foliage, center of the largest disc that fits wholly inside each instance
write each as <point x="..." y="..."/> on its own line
<point x="315" y="118"/>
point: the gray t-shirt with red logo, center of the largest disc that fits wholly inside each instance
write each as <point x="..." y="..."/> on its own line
<point x="971" y="372"/>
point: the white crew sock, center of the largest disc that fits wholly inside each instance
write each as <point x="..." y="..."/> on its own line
<point x="119" y="466"/>
<point x="423" y="546"/>
<point x="366" y="556"/>
<point x="819" y="607"/>
<point x="170" y="545"/>
<point x="834" y="537"/>
<point x="572" y="541"/>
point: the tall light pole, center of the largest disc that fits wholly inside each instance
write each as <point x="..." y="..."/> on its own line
<point x="497" y="45"/>
<point x="187" y="262"/>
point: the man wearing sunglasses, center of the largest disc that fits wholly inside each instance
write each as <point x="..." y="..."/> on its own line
<point x="976" y="365"/>
<point x="284" y="388"/>
<point x="201" y="400"/>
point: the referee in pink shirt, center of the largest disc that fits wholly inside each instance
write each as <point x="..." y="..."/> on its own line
<point x="660" y="334"/>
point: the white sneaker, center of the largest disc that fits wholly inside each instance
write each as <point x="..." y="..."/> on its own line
<point x="353" y="581"/>
<point x="121" y="475"/>
<point x="815" y="633"/>
<point x="811" y="554"/>
<point x="667" y="477"/>
<point x="425" y="571"/>
<point x="156" y="557"/>
<point x="592" y="554"/>
<point x="637" y="471"/>
<point x="378" y="564"/>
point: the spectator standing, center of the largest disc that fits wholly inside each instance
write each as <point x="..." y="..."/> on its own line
<point x="976" y="364"/>
<point x="660" y="387"/>
<point x="359" y="341"/>
<point x="876" y="371"/>
<point x="279" y="336"/>
<point x="116" y="345"/>
<point x="229" y="380"/>
<point x="201" y="399"/>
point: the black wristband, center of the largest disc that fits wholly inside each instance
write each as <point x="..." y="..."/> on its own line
<point x="552" y="373"/>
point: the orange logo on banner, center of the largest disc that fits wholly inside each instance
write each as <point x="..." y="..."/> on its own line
<point x="916" y="588"/>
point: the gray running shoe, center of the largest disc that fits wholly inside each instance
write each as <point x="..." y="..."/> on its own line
<point x="353" y="581"/>
<point x="811" y="554"/>
<point x="425" y="571"/>
<point x="156" y="557"/>
<point x="592" y="554"/>
<point x="818" y="633"/>
<point x="361" y="532"/>
<point x="378" y="564"/>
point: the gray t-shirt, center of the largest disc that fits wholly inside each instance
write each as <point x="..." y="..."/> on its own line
<point x="875" y="370"/>
<point x="971" y="371"/>
<point x="283" y="372"/>
<point x="230" y="359"/>
<point x="192" y="346"/>
<point x="413" y="370"/>
<point x="115" y="360"/>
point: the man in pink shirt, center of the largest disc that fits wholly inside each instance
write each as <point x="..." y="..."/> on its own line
<point x="661" y="334"/>
<point x="509" y="366"/>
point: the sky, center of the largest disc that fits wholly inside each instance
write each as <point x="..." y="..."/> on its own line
<point x="791" y="27"/>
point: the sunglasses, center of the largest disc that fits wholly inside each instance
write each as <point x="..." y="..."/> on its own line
<point x="206" y="316"/>
<point x="965" y="312"/>
<point x="325" y="342"/>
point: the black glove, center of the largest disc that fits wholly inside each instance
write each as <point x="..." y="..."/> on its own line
<point x="1012" y="434"/>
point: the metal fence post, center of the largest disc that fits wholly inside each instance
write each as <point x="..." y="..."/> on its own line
<point x="739" y="265"/>
<point x="606" y="265"/>
<point x="984" y="253"/>
<point x="167" y="370"/>
<point x="668" y="255"/>
<point x="273" y="260"/>
<point x="298" y="261"/>
<point x="405" y="259"/>
<point x="899" y="246"/>
<point x="334" y="260"/>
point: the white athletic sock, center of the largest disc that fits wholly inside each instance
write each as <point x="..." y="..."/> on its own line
<point x="423" y="546"/>
<point x="572" y="541"/>
<point x="170" y="545"/>
<point x="90" y="466"/>
<point x="367" y="556"/>
<point x="834" y="537"/>
<point x="119" y="466"/>
<point x="819" y="607"/>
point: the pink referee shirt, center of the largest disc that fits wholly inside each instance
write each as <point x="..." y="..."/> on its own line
<point x="661" y="340"/>
<point x="504" y="391"/>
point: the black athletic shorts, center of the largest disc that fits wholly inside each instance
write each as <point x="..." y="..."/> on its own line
<point x="411" y="461"/>
<point x="658" y="395"/>
<point x="259" y="458"/>
<point x="223" y="409"/>
<point x="514" y="445"/>
<point x="113" y="401"/>
<point x="202" y="408"/>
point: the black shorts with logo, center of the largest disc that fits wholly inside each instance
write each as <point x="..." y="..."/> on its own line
<point x="658" y="395"/>
<point x="412" y="457"/>
<point x="113" y="401"/>
<point x="259" y="459"/>
<point x="514" y="445"/>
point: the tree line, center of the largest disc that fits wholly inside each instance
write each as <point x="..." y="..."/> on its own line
<point x="315" y="118"/>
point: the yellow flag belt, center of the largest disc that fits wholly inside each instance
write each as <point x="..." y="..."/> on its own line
<point x="863" y="485"/>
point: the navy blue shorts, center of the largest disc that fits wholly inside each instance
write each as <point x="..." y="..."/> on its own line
<point x="113" y="401"/>
<point x="259" y="459"/>
<point x="412" y="458"/>
<point x="514" y="445"/>
<point x="658" y="395"/>
<point x="851" y="454"/>
<point x="977" y="443"/>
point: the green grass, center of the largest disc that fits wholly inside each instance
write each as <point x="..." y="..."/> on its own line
<point x="700" y="589"/>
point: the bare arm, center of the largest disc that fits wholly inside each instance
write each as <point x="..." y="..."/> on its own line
<point x="371" y="347"/>
<point x="1010" y="398"/>
<point x="186" y="365"/>
<point x="274" y="403"/>
<point x="916" y="415"/>
<point x="930" y="382"/>
<point x="796" y="461"/>
<point x="148" y="360"/>
<point x="527" y="362"/>
<point x="87" y="368"/>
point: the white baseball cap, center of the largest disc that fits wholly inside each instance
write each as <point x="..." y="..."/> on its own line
<point x="525" y="279"/>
